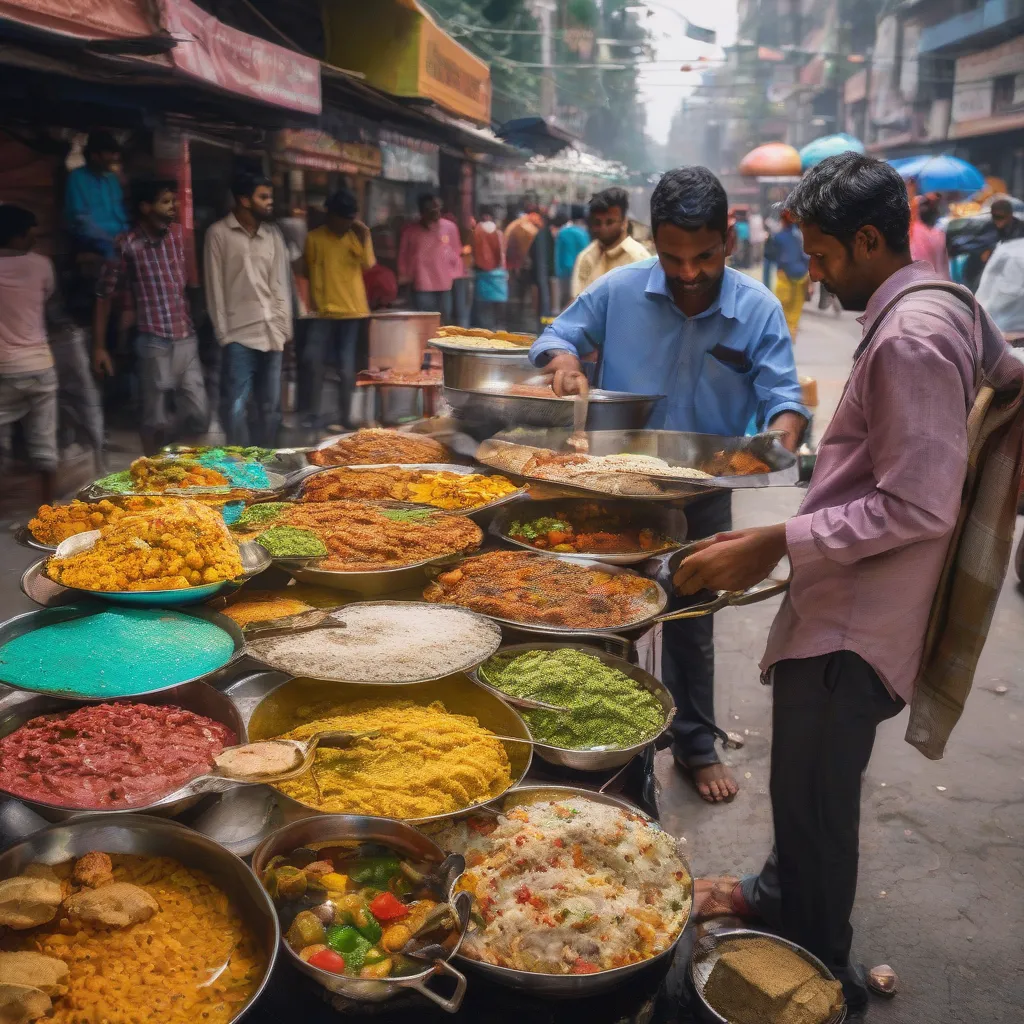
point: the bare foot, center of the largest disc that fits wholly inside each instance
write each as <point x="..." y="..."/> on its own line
<point x="713" y="782"/>
<point x="718" y="897"/>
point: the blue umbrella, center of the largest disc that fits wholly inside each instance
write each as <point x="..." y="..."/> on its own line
<point x="828" y="145"/>
<point x="941" y="173"/>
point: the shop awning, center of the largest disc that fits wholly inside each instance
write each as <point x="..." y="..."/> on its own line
<point x="535" y="134"/>
<point x="82" y="19"/>
<point x="232" y="60"/>
<point x="400" y="49"/>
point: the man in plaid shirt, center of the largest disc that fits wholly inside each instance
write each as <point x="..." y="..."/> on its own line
<point x="150" y="261"/>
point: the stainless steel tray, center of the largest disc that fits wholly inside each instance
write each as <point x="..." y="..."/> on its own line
<point x="23" y="535"/>
<point x="268" y="702"/>
<point x="705" y="956"/>
<point x="590" y="760"/>
<point x="675" y="447"/>
<point x="669" y="522"/>
<point x="426" y="467"/>
<point x="444" y="345"/>
<point x="562" y="986"/>
<point x="29" y="621"/>
<point x="18" y="707"/>
<point x="278" y="482"/>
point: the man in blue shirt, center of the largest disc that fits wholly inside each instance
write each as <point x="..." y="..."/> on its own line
<point x="93" y="199"/>
<point x="715" y="343"/>
<point x="571" y="240"/>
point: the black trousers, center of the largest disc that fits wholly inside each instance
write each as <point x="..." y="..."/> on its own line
<point x="825" y="711"/>
<point x="688" y="648"/>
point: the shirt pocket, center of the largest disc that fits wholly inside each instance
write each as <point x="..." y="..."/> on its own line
<point x="725" y="398"/>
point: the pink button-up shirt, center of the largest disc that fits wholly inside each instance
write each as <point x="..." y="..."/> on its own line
<point x="429" y="257"/>
<point x="869" y="542"/>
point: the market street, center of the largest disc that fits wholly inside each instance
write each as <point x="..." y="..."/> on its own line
<point x="941" y="873"/>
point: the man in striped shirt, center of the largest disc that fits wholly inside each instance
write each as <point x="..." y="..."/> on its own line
<point x="150" y="261"/>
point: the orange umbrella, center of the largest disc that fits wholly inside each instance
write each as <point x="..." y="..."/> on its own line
<point x="773" y="159"/>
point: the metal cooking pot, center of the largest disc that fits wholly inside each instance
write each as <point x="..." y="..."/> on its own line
<point x="154" y="837"/>
<point x="568" y="986"/>
<point x="471" y="370"/>
<point x="403" y="838"/>
<point x="18" y="707"/>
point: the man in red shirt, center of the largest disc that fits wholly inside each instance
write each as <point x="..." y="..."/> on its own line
<point x="150" y="261"/>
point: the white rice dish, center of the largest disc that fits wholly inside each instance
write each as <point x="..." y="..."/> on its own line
<point x="385" y="642"/>
<point x="570" y="887"/>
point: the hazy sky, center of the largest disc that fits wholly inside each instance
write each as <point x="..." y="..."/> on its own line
<point x="662" y="84"/>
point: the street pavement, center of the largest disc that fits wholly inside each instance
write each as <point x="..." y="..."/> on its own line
<point x="942" y="870"/>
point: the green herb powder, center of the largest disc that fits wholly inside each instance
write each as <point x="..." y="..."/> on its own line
<point x="258" y="515"/>
<point x="288" y="541"/>
<point x="606" y="707"/>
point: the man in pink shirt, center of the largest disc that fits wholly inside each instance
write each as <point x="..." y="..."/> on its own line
<point x="866" y="549"/>
<point x="428" y="259"/>
<point x="927" y="242"/>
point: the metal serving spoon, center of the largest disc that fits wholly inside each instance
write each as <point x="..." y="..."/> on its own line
<point x="222" y="777"/>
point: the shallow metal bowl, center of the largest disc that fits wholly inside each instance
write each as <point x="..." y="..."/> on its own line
<point x="398" y="836"/>
<point x="707" y="950"/>
<point x="255" y="559"/>
<point x="18" y="707"/>
<point x="669" y="522"/>
<point x="30" y="621"/>
<point x="521" y="354"/>
<point x="658" y="603"/>
<point x="473" y="369"/>
<point x="270" y="703"/>
<point x="567" y="986"/>
<point x="593" y="760"/>
<point x="154" y="837"/>
<point x="488" y="412"/>
<point x="276" y="482"/>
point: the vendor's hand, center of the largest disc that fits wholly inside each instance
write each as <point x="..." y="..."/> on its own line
<point x="732" y="561"/>
<point x="791" y="426"/>
<point x="102" y="364"/>
<point x="566" y="374"/>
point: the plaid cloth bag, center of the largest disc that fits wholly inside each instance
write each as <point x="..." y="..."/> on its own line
<point x="981" y="542"/>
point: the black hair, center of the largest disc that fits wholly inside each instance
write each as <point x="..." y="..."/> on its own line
<point x="245" y="183"/>
<point x="561" y="216"/>
<point x="577" y="212"/>
<point x="1001" y="206"/>
<point x="149" y="190"/>
<point x="486" y="211"/>
<point x="342" y="204"/>
<point x="690" y="198"/>
<point x="101" y="142"/>
<point x="928" y="211"/>
<point x="15" y="221"/>
<point x="602" y="202"/>
<point x="426" y="197"/>
<point x="847" y="192"/>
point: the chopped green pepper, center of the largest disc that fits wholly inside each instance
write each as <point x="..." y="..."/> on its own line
<point x="375" y="871"/>
<point x="370" y="929"/>
<point x="342" y="938"/>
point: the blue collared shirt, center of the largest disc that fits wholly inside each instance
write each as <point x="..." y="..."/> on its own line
<point x="718" y="370"/>
<point x="789" y="255"/>
<point x="94" y="207"/>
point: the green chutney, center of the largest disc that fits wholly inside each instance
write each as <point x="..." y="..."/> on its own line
<point x="606" y="707"/>
<point x="291" y="542"/>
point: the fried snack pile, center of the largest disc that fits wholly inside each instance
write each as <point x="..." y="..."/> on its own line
<point x="183" y="544"/>
<point x="478" y="337"/>
<point x="524" y="587"/>
<point x="361" y="537"/>
<point x="440" y="488"/>
<point x="160" y="474"/>
<point x="422" y="760"/>
<point x="375" y="446"/>
<point x="146" y="940"/>
<point x="55" y="523"/>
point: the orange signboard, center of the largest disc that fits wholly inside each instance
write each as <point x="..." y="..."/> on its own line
<point x="83" y="19"/>
<point x="452" y="76"/>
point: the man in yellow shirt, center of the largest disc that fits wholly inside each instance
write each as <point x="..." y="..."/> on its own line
<point x="336" y="256"/>
<point x="613" y="246"/>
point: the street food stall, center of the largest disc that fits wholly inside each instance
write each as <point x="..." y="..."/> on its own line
<point x="358" y="730"/>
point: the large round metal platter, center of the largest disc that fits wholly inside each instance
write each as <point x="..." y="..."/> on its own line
<point x="707" y="950"/>
<point x="566" y="986"/>
<point x="658" y="602"/>
<point x="270" y="703"/>
<point x="24" y="537"/>
<point x="520" y="352"/>
<point x="593" y="760"/>
<point x="276" y="482"/>
<point x="255" y="560"/>
<point x="425" y="467"/>
<point x="666" y="522"/>
<point x="19" y="707"/>
<point x="459" y="663"/>
<point x="31" y="621"/>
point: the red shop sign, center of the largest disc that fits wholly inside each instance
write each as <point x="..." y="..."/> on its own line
<point x="241" y="63"/>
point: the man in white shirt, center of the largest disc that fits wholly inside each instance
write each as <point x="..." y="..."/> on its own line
<point x="248" y="295"/>
<point x="613" y="246"/>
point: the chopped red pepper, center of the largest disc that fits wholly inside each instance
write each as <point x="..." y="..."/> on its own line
<point x="584" y="967"/>
<point x="523" y="894"/>
<point x="388" y="907"/>
<point x="328" y="960"/>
